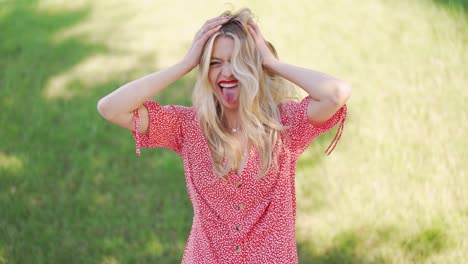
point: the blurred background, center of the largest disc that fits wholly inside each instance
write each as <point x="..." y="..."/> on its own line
<point x="72" y="189"/>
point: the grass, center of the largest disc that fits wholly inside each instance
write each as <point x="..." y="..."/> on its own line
<point x="72" y="190"/>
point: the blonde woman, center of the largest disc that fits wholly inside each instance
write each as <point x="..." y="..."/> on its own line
<point x="239" y="142"/>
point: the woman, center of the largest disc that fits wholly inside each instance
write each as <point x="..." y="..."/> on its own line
<point x="239" y="142"/>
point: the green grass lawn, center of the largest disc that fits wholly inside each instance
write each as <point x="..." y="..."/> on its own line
<point x="72" y="189"/>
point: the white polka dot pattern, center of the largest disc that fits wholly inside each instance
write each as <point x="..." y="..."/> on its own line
<point x="240" y="219"/>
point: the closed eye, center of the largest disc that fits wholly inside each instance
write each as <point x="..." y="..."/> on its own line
<point x="214" y="63"/>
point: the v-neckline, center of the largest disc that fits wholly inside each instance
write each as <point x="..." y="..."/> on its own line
<point x="239" y="173"/>
<point x="231" y="172"/>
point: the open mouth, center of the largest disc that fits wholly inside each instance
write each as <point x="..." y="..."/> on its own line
<point x="230" y="90"/>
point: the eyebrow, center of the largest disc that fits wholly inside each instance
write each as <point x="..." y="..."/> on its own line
<point x="216" y="58"/>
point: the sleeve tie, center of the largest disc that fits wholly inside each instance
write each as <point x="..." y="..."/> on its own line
<point x="136" y="124"/>
<point x="337" y="137"/>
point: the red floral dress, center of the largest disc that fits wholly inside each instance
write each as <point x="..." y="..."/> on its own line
<point x="242" y="219"/>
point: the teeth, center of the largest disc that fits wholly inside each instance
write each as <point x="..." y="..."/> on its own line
<point x="228" y="85"/>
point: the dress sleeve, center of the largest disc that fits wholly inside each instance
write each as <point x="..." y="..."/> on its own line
<point x="164" y="128"/>
<point x="301" y="132"/>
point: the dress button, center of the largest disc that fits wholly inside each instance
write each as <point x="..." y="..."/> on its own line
<point x="239" y="184"/>
<point x="240" y="207"/>
<point x="238" y="249"/>
<point x="238" y="228"/>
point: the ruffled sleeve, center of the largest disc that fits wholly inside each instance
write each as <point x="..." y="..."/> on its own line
<point x="301" y="132"/>
<point x="164" y="128"/>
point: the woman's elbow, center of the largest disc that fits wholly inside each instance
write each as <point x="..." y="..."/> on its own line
<point x="341" y="93"/>
<point x="103" y="108"/>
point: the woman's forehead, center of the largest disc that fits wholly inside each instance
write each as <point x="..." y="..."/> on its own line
<point x="222" y="48"/>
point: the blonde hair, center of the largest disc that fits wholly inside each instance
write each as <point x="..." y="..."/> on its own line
<point x="260" y="94"/>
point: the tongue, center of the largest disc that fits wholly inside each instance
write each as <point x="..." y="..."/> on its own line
<point x="230" y="94"/>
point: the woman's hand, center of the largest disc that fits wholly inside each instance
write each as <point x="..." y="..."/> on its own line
<point x="192" y="58"/>
<point x="268" y="58"/>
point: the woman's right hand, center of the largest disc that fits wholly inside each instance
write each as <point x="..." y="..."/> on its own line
<point x="192" y="58"/>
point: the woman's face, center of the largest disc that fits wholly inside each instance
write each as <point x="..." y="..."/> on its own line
<point x="220" y="73"/>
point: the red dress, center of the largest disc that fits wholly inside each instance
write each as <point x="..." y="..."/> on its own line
<point x="241" y="219"/>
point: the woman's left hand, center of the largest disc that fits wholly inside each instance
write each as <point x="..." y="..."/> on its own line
<point x="268" y="58"/>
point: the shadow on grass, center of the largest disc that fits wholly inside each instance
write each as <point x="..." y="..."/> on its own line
<point x="79" y="194"/>
<point x="339" y="254"/>
<point x="422" y="245"/>
<point x="345" y="249"/>
<point x="367" y="245"/>
<point x="454" y="5"/>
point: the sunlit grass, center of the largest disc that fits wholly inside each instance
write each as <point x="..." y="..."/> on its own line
<point x="10" y="163"/>
<point x="401" y="162"/>
<point x="393" y="191"/>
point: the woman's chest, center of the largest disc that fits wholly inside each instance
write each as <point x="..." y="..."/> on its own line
<point x="245" y="185"/>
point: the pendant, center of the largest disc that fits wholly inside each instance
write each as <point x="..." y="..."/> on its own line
<point x="233" y="130"/>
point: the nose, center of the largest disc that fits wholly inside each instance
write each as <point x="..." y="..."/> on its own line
<point x="227" y="70"/>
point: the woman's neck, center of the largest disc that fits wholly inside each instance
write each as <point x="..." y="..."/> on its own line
<point x="231" y="119"/>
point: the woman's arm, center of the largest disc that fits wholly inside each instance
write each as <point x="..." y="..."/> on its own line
<point x="327" y="92"/>
<point x="118" y="106"/>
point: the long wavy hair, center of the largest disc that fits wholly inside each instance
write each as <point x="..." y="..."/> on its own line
<point x="260" y="93"/>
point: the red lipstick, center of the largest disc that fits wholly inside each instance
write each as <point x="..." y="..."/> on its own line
<point x="228" y="82"/>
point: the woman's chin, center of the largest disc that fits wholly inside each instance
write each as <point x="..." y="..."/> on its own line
<point x="232" y="105"/>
